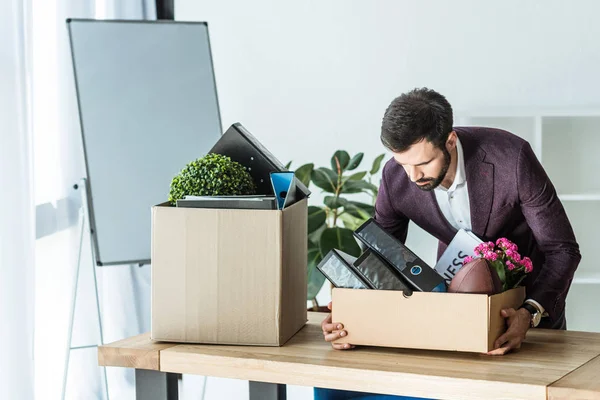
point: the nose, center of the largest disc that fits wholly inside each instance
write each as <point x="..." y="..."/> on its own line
<point x="413" y="173"/>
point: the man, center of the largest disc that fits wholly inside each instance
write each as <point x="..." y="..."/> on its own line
<point x="485" y="180"/>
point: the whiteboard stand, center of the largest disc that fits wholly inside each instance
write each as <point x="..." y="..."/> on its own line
<point x="83" y="221"/>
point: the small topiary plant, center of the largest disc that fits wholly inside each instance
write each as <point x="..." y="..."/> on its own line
<point x="212" y="175"/>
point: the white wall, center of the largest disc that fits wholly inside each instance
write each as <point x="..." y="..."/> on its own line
<point x="310" y="77"/>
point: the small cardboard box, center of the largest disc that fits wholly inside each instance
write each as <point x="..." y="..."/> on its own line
<point x="424" y="320"/>
<point x="228" y="276"/>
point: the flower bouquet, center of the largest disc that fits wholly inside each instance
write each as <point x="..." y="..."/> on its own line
<point x="504" y="258"/>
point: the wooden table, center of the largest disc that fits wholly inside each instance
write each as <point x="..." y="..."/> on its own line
<point x="550" y="365"/>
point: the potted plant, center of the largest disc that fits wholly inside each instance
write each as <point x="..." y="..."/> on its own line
<point x="331" y="224"/>
<point x="211" y="175"/>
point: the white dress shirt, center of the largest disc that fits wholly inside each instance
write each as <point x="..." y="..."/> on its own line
<point x="454" y="201"/>
<point x="455" y="206"/>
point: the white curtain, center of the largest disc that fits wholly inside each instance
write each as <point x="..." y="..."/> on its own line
<point x="59" y="163"/>
<point x="17" y="230"/>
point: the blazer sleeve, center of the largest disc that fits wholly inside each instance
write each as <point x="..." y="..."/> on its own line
<point x="386" y="214"/>
<point x="552" y="231"/>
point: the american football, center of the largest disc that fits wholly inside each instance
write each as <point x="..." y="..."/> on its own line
<point x="476" y="276"/>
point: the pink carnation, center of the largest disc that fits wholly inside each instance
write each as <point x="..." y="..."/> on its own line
<point x="501" y="242"/>
<point x="490" y="255"/>
<point x="467" y="260"/>
<point x="527" y="264"/>
<point x="484" y="247"/>
<point x="506" y="244"/>
<point x="510" y="265"/>
<point x="514" y="255"/>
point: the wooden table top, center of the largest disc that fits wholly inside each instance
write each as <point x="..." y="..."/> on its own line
<point x="551" y="364"/>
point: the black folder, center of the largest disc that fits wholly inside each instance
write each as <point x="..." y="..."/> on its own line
<point x="378" y="274"/>
<point x="337" y="268"/>
<point x="241" y="146"/>
<point x="412" y="269"/>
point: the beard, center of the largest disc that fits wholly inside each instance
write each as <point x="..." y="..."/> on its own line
<point x="432" y="183"/>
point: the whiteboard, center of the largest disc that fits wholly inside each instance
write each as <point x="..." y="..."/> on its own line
<point x="148" y="105"/>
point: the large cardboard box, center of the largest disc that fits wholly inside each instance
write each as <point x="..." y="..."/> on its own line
<point x="424" y="320"/>
<point x="227" y="276"/>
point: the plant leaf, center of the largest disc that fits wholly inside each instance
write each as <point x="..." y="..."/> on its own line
<point x="359" y="210"/>
<point x="324" y="178"/>
<point x="357" y="176"/>
<point x="343" y="157"/>
<point x="339" y="238"/>
<point x="355" y="162"/>
<point x="288" y="165"/>
<point x="499" y="267"/>
<point x="316" y="218"/>
<point x="303" y="173"/>
<point x="315" y="236"/>
<point x="377" y="164"/>
<point x="315" y="278"/>
<point x="359" y="186"/>
<point x="334" y="202"/>
<point x="350" y="221"/>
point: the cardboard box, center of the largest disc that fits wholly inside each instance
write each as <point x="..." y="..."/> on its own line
<point x="424" y="320"/>
<point x="227" y="276"/>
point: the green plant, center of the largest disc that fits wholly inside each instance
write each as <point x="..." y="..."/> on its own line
<point x="211" y="175"/>
<point x="324" y="230"/>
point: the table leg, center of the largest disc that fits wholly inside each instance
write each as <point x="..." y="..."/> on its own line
<point x="267" y="391"/>
<point x="155" y="385"/>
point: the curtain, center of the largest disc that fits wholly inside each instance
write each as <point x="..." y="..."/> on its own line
<point x="59" y="164"/>
<point x="17" y="230"/>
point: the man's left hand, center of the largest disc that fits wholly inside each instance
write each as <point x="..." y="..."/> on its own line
<point x="519" y="322"/>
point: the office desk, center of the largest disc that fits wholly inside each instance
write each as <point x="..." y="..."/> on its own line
<point x="550" y="364"/>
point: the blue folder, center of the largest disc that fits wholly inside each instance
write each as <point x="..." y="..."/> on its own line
<point x="284" y="188"/>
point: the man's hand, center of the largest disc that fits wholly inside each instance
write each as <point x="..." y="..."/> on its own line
<point x="329" y="334"/>
<point x="519" y="322"/>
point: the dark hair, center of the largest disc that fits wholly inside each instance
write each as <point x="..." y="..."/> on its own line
<point x="414" y="116"/>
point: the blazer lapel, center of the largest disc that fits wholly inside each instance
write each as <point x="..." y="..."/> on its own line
<point x="480" y="184"/>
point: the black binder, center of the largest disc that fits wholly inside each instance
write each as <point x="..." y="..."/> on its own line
<point x="378" y="274"/>
<point x="337" y="268"/>
<point x="241" y="146"/>
<point x="412" y="269"/>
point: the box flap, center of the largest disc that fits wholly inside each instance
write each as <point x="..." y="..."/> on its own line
<point x="440" y="321"/>
<point x="293" y="313"/>
<point x="509" y="299"/>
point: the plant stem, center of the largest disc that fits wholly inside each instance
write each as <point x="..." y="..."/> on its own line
<point x="337" y="189"/>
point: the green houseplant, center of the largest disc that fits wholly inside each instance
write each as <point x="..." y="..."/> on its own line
<point x="211" y="175"/>
<point x="331" y="224"/>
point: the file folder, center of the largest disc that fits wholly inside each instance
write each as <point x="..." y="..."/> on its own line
<point x="284" y="187"/>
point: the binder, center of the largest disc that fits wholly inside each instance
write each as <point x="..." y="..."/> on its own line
<point x="412" y="269"/>
<point x="241" y="146"/>
<point x="368" y="271"/>
<point x="378" y="274"/>
<point x="336" y="266"/>
<point x="284" y="186"/>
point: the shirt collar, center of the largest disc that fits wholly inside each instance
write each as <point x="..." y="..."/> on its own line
<point x="460" y="176"/>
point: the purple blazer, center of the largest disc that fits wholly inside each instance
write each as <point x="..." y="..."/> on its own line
<point x="510" y="196"/>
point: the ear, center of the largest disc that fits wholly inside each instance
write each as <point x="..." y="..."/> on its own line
<point x="451" y="141"/>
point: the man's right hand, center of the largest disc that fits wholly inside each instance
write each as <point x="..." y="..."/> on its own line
<point x="333" y="331"/>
